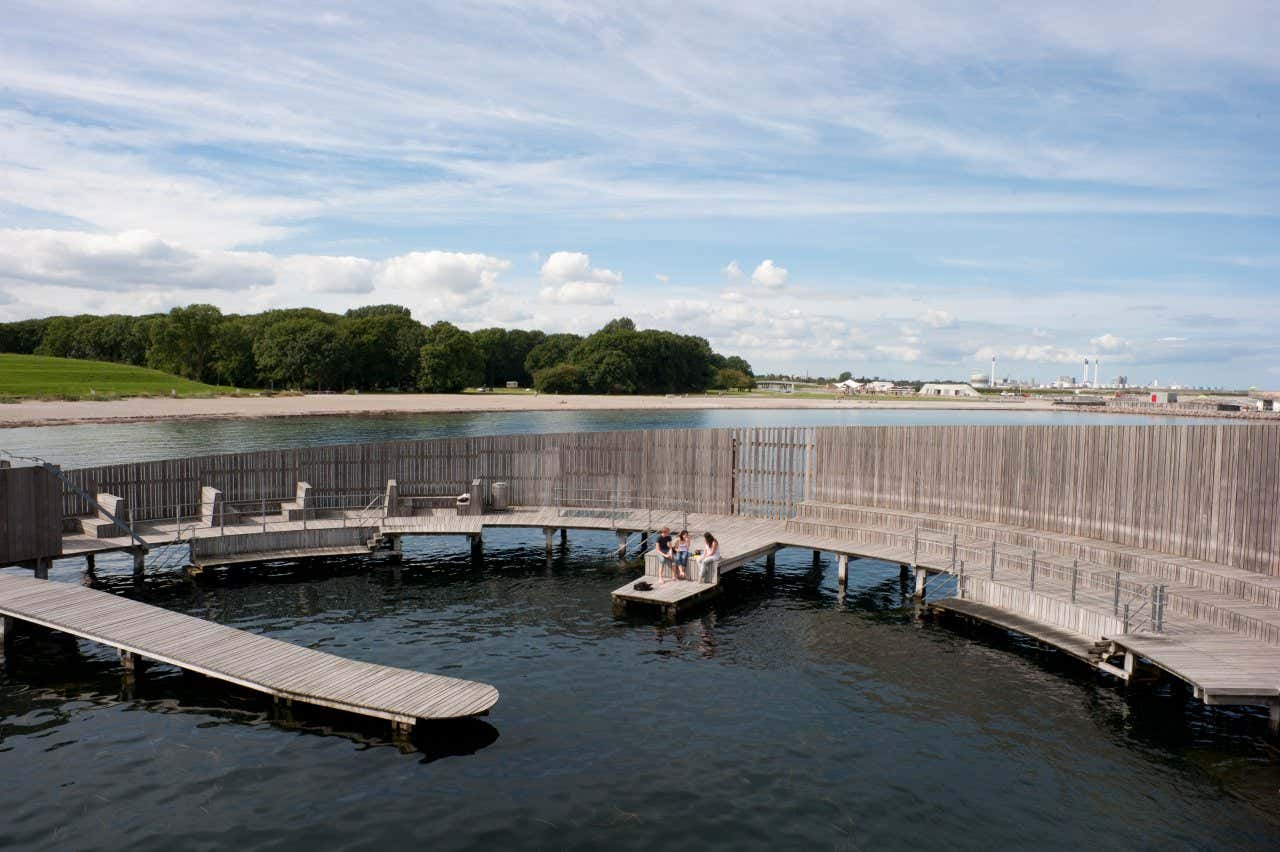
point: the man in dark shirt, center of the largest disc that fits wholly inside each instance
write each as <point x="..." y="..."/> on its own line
<point x="664" y="545"/>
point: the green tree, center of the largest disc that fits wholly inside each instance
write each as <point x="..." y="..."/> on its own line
<point x="299" y="353"/>
<point x="23" y="336"/>
<point x="182" y="342"/>
<point x="377" y="311"/>
<point x="554" y="349"/>
<point x="845" y="376"/>
<point x="381" y="350"/>
<point x="450" y="360"/>
<point x="729" y="379"/>
<point x="559" y="378"/>
<point x="609" y="371"/>
<point x="233" y="359"/>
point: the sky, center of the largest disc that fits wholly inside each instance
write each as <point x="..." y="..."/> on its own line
<point x="900" y="188"/>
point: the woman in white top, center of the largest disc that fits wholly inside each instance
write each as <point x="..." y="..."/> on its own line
<point x="710" y="561"/>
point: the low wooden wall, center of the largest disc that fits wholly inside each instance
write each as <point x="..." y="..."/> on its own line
<point x="30" y="514"/>
<point x="692" y="467"/>
<point x="1209" y="492"/>
<point x="280" y="541"/>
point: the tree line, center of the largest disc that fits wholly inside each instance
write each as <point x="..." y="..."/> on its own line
<point x="381" y="348"/>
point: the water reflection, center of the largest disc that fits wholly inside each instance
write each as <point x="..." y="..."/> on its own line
<point x="755" y="708"/>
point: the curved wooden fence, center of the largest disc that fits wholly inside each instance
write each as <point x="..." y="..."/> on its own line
<point x="1209" y="492"/>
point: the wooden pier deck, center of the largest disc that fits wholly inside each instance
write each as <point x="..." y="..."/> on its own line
<point x="285" y="671"/>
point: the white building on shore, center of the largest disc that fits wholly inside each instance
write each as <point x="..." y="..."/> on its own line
<point x="948" y="389"/>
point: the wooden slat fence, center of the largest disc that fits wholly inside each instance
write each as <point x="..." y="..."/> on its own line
<point x="30" y="527"/>
<point x="1208" y="492"/>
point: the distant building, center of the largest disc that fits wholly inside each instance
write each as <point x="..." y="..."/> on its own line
<point x="941" y="389"/>
<point x="777" y="386"/>
<point x="1164" y="396"/>
<point x="513" y="385"/>
<point x="979" y="379"/>
<point x="848" y="386"/>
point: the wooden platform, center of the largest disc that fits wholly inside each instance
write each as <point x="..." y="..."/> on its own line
<point x="1076" y="644"/>
<point x="268" y="665"/>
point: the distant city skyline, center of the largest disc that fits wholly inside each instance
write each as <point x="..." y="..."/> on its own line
<point x="897" y="189"/>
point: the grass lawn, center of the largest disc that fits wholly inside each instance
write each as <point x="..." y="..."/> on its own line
<point x="38" y="377"/>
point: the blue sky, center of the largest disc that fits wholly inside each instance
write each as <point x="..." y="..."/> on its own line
<point x="895" y="188"/>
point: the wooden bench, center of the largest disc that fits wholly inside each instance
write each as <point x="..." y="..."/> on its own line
<point x="100" y="526"/>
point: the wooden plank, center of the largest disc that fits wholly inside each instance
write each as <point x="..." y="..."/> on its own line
<point x="257" y="662"/>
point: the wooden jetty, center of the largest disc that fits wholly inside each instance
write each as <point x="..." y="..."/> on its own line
<point x="287" y="672"/>
<point x="1137" y="549"/>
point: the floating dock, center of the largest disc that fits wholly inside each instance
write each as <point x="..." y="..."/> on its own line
<point x="287" y="672"/>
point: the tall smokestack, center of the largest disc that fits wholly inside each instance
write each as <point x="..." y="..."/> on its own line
<point x="1085" y="381"/>
<point x="993" y="371"/>
<point x="1097" y="372"/>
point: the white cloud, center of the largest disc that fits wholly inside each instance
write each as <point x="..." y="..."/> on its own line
<point x="138" y="261"/>
<point x="580" y="293"/>
<point x="453" y="272"/>
<point x="937" y="318"/>
<point x="570" y="279"/>
<point x="663" y="279"/>
<point x="325" y="274"/>
<point x="1110" y="343"/>
<point x="125" y="261"/>
<point x="564" y="266"/>
<point x="733" y="272"/>
<point x="769" y="276"/>
<point x="899" y="353"/>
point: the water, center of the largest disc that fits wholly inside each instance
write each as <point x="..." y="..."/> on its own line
<point x="108" y="443"/>
<point x="779" y="717"/>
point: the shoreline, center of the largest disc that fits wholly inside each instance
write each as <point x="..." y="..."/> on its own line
<point x="152" y="409"/>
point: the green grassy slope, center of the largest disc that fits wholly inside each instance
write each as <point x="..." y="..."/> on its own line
<point x="37" y="377"/>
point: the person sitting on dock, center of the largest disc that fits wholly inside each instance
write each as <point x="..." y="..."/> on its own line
<point x="710" y="560"/>
<point x="664" y="546"/>
<point x="682" y="555"/>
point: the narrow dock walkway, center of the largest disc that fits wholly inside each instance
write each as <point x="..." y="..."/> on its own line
<point x="267" y="665"/>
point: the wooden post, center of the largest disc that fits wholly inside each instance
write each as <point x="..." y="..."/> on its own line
<point x="131" y="662"/>
<point x="915" y="549"/>
<point x="954" y="543"/>
<point x="842" y="571"/>
<point x="139" y="563"/>
<point x="1033" y="570"/>
<point x="993" y="560"/>
<point x="817" y="558"/>
<point x="903" y="576"/>
<point x="1116" y="597"/>
<point x="1275" y="716"/>
<point x="768" y="560"/>
<point x="1075" y="571"/>
<point x="921" y="576"/>
<point x="6" y="630"/>
<point x="960" y="581"/>
<point x="564" y="536"/>
<point x="397" y="548"/>
<point x="622" y="545"/>
<point x="42" y="568"/>
<point x="402" y="730"/>
<point x="477" y="546"/>
<point x="90" y="562"/>
<point x="550" y="535"/>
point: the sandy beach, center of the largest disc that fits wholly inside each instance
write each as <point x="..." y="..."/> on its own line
<point x="39" y="413"/>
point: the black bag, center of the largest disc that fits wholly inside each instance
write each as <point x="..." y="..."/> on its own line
<point x="642" y="586"/>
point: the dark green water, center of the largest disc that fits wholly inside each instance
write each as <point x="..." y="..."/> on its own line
<point x="780" y="717"/>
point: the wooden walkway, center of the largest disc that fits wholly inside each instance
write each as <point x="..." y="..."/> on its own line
<point x="1223" y="624"/>
<point x="277" y="668"/>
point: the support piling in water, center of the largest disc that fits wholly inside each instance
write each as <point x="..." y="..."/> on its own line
<point x="842" y="571"/>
